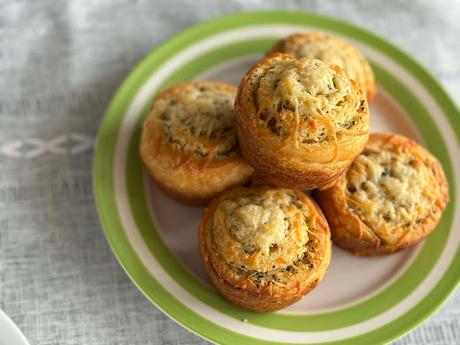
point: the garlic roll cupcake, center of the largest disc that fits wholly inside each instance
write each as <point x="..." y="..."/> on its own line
<point x="189" y="143"/>
<point x="391" y="198"/>
<point x="333" y="51"/>
<point x="264" y="248"/>
<point x="300" y="122"/>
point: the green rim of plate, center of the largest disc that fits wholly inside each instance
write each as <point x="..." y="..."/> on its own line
<point x="105" y="197"/>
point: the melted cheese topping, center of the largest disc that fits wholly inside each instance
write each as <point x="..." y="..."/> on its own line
<point x="307" y="102"/>
<point x="262" y="231"/>
<point x="199" y="118"/>
<point x="332" y="51"/>
<point x="389" y="189"/>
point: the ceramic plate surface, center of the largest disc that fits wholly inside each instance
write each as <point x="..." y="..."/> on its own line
<point x="9" y="332"/>
<point x="361" y="300"/>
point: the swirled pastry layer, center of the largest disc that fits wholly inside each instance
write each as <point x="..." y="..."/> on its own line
<point x="333" y="51"/>
<point x="262" y="232"/>
<point x="199" y="119"/>
<point x="308" y="102"/>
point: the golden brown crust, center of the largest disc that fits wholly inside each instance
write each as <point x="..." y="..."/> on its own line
<point x="333" y="51"/>
<point x="190" y="164"/>
<point x="257" y="181"/>
<point x="245" y="275"/>
<point x="390" y="224"/>
<point x="300" y="123"/>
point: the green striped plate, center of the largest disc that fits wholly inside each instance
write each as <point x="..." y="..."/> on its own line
<point x="362" y="300"/>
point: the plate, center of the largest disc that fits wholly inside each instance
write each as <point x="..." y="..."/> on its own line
<point x="10" y="333"/>
<point x="361" y="300"/>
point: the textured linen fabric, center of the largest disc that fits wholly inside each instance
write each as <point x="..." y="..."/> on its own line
<point x="60" y="63"/>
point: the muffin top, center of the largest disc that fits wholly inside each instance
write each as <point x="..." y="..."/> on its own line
<point x="394" y="183"/>
<point x="266" y="234"/>
<point x="198" y="117"/>
<point x="331" y="50"/>
<point x="304" y="102"/>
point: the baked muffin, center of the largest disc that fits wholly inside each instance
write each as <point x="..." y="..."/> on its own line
<point x="391" y="198"/>
<point x="300" y="122"/>
<point x="333" y="51"/>
<point x="264" y="248"/>
<point x="189" y="143"/>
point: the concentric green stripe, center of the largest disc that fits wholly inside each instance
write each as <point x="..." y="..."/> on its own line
<point x="105" y="194"/>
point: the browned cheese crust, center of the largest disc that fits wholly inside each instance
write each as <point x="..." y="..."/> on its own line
<point x="300" y="122"/>
<point x="264" y="248"/>
<point x="333" y="51"/>
<point x="391" y="198"/>
<point x="189" y="143"/>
